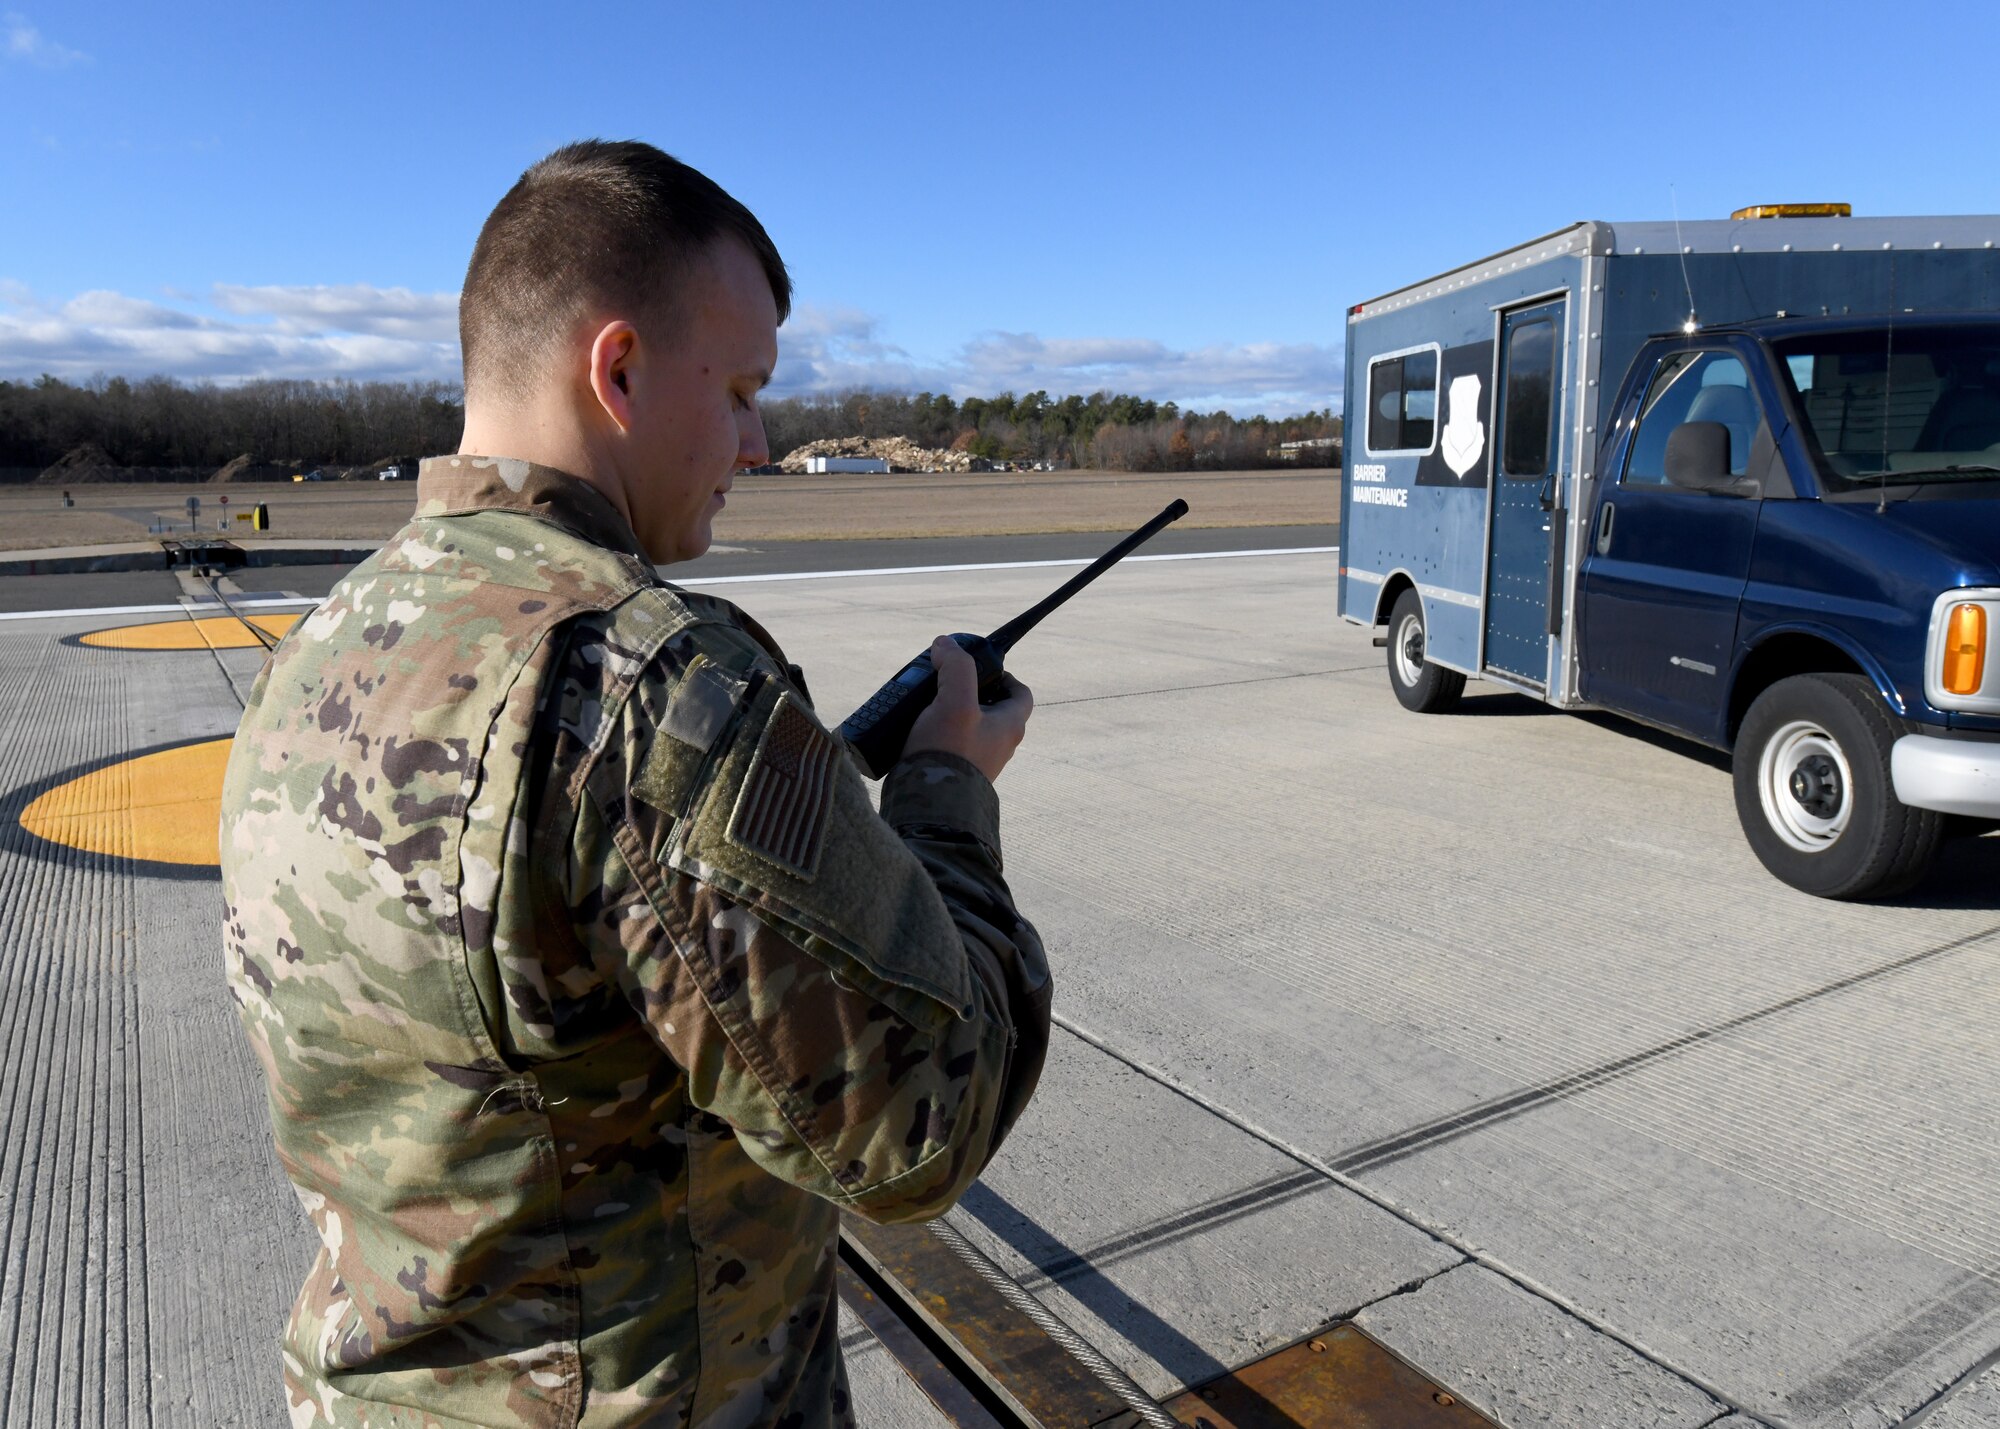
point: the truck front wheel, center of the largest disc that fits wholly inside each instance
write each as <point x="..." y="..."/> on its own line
<point x="1420" y="685"/>
<point x="1814" y="794"/>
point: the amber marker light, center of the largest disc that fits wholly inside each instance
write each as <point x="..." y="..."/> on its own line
<point x="1964" y="649"/>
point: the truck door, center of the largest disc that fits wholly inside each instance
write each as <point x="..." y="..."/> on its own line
<point x="1664" y="575"/>
<point x="1527" y="456"/>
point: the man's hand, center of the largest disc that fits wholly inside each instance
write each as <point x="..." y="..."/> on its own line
<point x="956" y="723"/>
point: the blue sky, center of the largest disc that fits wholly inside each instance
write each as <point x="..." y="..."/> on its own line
<point x="1172" y="199"/>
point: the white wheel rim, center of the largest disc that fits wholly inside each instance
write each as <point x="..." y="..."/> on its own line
<point x="1804" y="753"/>
<point x="1409" y="632"/>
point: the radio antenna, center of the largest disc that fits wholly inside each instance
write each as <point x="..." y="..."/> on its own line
<point x="1692" y="324"/>
<point x="1888" y="392"/>
<point x="1028" y="619"/>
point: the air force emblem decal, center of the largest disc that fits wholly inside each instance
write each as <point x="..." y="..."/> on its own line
<point x="1463" y="441"/>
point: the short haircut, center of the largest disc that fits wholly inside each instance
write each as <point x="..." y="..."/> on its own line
<point x="595" y="226"/>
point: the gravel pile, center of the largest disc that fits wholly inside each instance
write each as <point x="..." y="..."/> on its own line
<point x="901" y="453"/>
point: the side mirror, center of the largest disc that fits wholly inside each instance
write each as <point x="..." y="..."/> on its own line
<point x="1698" y="456"/>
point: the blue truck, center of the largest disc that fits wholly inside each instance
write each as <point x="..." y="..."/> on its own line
<point x="1738" y="480"/>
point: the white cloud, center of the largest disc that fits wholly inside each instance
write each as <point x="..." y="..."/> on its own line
<point x="20" y="40"/>
<point x="116" y="312"/>
<point x="1275" y="378"/>
<point x="837" y="350"/>
<point x="240" y="334"/>
<point x="351" y="307"/>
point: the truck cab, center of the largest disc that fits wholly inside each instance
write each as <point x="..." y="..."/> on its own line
<point x="1786" y="516"/>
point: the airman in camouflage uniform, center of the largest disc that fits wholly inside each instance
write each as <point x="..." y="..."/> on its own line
<point x="589" y="984"/>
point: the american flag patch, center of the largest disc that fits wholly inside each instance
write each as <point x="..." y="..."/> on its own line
<point x="781" y="813"/>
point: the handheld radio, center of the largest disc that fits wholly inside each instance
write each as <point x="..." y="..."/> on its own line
<point x="877" y="731"/>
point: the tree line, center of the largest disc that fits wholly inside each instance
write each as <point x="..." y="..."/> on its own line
<point x="159" y="422"/>
<point x="162" y="423"/>
<point x="1111" y="431"/>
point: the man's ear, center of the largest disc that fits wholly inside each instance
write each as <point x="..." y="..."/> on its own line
<point x="614" y="354"/>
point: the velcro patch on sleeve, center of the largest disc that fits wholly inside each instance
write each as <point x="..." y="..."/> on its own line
<point x="701" y="707"/>
<point x="781" y="812"/>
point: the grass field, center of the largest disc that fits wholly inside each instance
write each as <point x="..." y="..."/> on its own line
<point x="761" y="508"/>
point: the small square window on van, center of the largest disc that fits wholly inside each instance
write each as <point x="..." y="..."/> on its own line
<point x="1402" y="402"/>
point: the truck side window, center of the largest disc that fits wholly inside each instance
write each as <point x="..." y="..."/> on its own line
<point x="1402" y="402"/>
<point x="1529" y="421"/>
<point x="1693" y="387"/>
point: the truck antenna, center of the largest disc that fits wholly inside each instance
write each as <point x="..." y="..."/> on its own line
<point x="1693" y="324"/>
<point x="1888" y="392"/>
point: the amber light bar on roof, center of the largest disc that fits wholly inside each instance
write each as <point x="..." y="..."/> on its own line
<point x="1796" y="210"/>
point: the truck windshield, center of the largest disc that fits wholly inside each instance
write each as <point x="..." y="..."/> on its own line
<point x="1920" y="406"/>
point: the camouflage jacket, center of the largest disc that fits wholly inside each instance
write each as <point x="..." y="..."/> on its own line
<point x="589" y="985"/>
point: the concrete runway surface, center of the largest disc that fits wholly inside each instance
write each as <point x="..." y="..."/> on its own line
<point x="1485" y="1031"/>
<point x="55" y="592"/>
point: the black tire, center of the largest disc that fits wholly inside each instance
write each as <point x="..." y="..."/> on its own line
<point x="1420" y="685"/>
<point x="1814" y="793"/>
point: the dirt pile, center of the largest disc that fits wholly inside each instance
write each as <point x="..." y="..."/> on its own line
<point x="249" y="468"/>
<point x="71" y="464"/>
<point x="901" y="453"/>
<point x="89" y="463"/>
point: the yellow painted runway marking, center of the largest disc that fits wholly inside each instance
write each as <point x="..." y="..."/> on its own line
<point x="162" y="807"/>
<point x="209" y="632"/>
